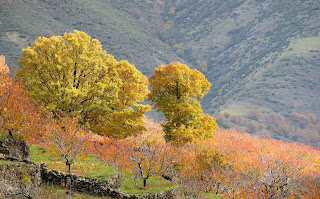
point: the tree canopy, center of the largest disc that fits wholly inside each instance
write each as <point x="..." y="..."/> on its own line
<point x="74" y="74"/>
<point x="127" y="115"/>
<point x="18" y="113"/>
<point x="175" y="90"/>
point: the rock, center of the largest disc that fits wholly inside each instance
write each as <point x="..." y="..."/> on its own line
<point x="19" y="178"/>
<point x="15" y="147"/>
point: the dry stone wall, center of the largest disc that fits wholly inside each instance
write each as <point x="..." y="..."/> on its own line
<point x="110" y="188"/>
<point x="82" y="184"/>
<point x="19" y="177"/>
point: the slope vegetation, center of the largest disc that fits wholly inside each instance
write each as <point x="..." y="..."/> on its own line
<point x="258" y="54"/>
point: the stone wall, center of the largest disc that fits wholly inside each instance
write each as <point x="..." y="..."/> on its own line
<point x="19" y="177"/>
<point x="14" y="147"/>
<point x="12" y="171"/>
<point x="110" y="188"/>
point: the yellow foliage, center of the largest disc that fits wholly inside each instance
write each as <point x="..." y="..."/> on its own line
<point x="209" y="159"/>
<point x="69" y="73"/>
<point x="175" y="90"/>
<point x="74" y="74"/>
<point x="167" y="27"/>
<point x="172" y="11"/>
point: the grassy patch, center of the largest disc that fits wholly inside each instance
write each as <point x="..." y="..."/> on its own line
<point x="236" y="110"/>
<point x="48" y="191"/>
<point x="303" y="46"/>
<point x="94" y="168"/>
<point x="6" y="162"/>
<point x="53" y="192"/>
<point x="4" y="135"/>
<point x="212" y="196"/>
<point x="154" y="184"/>
<point x="88" y="167"/>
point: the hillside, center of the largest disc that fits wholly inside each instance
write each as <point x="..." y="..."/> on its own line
<point x="120" y="31"/>
<point x="258" y="54"/>
<point x="261" y="52"/>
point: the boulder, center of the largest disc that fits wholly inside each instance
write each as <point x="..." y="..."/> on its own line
<point x="15" y="147"/>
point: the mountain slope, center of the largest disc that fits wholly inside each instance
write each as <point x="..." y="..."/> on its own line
<point x="120" y="32"/>
<point x="238" y="40"/>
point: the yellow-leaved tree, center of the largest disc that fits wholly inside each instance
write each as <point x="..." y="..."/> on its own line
<point x="175" y="90"/>
<point x="127" y="117"/>
<point x="74" y="74"/>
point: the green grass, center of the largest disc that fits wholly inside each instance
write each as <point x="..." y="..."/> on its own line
<point x="154" y="184"/>
<point x="236" y="110"/>
<point x="303" y="46"/>
<point x="7" y="162"/>
<point x="87" y="167"/>
<point x="94" y="168"/>
<point x="212" y="196"/>
<point x="54" y="192"/>
<point x="4" y="135"/>
<point x="60" y="192"/>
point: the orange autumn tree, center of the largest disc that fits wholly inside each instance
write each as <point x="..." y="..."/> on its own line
<point x="18" y="113"/>
<point x="239" y="165"/>
<point x="175" y="90"/>
<point x="5" y="83"/>
<point x="66" y="138"/>
<point x="107" y="150"/>
<point x="146" y="155"/>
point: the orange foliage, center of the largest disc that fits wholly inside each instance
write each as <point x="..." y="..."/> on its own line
<point x="107" y="149"/>
<point x="66" y="138"/>
<point x="240" y="165"/>
<point x="277" y="124"/>
<point x="18" y="113"/>
<point x="302" y="120"/>
<point x="237" y="165"/>
<point x="3" y="66"/>
<point x="145" y="155"/>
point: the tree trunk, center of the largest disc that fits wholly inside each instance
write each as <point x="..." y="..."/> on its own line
<point x="144" y="182"/>
<point x="10" y="133"/>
